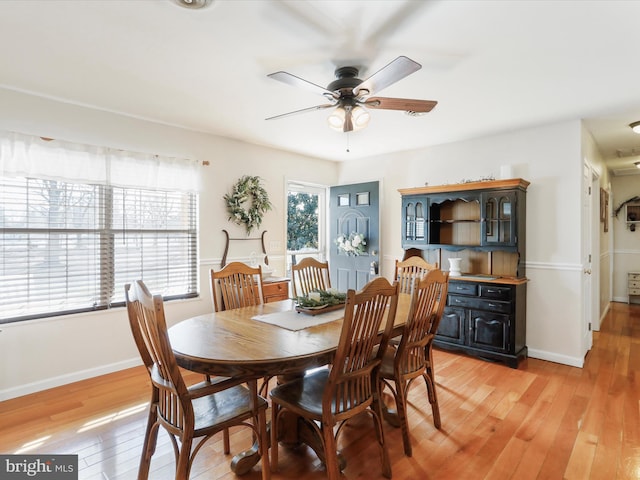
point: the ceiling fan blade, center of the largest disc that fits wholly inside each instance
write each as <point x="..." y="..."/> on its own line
<point x="391" y="73"/>
<point x="294" y="81"/>
<point x="308" y="109"/>
<point x="394" y="22"/>
<point x="406" y="104"/>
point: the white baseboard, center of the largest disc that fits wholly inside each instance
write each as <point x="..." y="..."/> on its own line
<point x="556" y="358"/>
<point x="33" y="387"/>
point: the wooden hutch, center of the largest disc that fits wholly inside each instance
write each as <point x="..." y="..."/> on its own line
<point x="484" y="224"/>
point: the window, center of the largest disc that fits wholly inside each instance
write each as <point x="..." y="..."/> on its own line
<point x="306" y="216"/>
<point x="68" y="246"/>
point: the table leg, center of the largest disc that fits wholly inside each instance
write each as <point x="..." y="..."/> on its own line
<point x="244" y="462"/>
<point x="296" y="431"/>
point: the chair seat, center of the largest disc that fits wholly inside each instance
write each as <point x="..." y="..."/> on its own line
<point x="386" y="368"/>
<point x="221" y="409"/>
<point x="304" y="393"/>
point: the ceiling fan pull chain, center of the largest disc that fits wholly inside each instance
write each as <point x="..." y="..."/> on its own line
<point x="348" y="143"/>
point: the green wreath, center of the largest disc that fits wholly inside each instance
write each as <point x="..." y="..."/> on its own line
<point x="248" y="189"/>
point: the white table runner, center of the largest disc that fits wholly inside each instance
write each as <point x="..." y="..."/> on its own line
<point x="292" y="320"/>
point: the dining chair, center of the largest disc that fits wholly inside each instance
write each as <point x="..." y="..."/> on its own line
<point x="413" y="356"/>
<point x="329" y="397"/>
<point x="409" y="269"/>
<point x="191" y="415"/>
<point x="308" y="275"/>
<point x="240" y="285"/>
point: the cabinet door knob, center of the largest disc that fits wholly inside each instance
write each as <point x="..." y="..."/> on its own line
<point x="587" y="271"/>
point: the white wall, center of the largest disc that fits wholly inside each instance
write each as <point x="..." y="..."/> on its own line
<point x="550" y="158"/>
<point x="39" y="354"/>
<point x="626" y="252"/>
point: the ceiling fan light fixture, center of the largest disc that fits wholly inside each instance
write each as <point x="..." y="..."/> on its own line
<point x="360" y="117"/>
<point x="336" y="119"/>
<point x="637" y="164"/>
<point x="635" y="126"/>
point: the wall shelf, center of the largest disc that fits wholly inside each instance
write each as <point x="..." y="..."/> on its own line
<point x="632" y="215"/>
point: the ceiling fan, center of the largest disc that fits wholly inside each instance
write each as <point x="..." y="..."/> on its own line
<point x="351" y="96"/>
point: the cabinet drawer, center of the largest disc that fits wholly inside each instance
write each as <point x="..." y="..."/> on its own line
<point x="634" y="291"/>
<point x="491" y="306"/>
<point x="273" y="292"/>
<point x="461" y="288"/>
<point x="496" y="293"/>
<point x="634" y="284"/>
<point x="477" y="303"/>
<point x="456" y="301"/>
<point x="634" y="276"/>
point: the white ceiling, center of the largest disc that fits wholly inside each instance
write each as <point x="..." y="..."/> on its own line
<point x="493" y="66"/>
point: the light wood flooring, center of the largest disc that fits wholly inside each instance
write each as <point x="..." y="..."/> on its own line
<point x="541" y="421"/>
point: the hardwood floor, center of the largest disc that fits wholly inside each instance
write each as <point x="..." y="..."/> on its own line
<point x="541" y="421"/>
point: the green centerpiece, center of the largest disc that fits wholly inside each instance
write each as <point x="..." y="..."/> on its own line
<point x="321" y="299"/>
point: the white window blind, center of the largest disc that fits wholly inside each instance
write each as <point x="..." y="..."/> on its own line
<point x="69" y="246"/>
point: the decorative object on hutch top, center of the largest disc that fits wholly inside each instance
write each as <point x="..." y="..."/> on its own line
<point x="247" y="189"/>
<point x="483" y="224"/>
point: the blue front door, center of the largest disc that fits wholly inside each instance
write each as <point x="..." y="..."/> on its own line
<point x="354" y="209"/>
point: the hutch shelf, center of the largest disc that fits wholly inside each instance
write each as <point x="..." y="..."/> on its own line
<point x="484" y="223"/>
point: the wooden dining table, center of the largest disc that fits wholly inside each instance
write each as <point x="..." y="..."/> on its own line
<point x="232" y="343"/>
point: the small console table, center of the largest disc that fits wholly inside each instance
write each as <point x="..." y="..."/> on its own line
<point x="633" y="285"/>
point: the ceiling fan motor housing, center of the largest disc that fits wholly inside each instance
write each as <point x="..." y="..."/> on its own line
<point x="346" y="81"/>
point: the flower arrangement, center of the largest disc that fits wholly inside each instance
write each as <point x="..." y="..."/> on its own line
<point x="354" y="244"/>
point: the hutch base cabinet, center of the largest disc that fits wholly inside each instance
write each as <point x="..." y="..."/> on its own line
<point x="485" y="319"/>
<point x="481" y="225"/>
